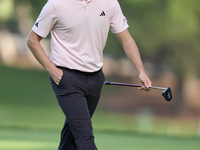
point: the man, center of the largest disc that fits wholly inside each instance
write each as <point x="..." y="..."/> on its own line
<point x="79" y="30"/>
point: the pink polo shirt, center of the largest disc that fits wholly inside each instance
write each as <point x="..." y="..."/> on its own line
<point x="79" y="31"/>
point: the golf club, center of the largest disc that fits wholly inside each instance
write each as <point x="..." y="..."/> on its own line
<point x="167" y="93"/>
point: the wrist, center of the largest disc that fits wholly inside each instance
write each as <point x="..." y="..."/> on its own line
<point x="50" y="67"/>
<point x="141" y="71"/>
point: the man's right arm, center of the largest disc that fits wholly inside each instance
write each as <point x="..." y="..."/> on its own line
<point x="33" y="42"/>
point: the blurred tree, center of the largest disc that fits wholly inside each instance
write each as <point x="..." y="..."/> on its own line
<point x="35" y="5"/>
<point x="166" y="32"/>
<point x="6" y="11"/>
<point x="17" y="14"/>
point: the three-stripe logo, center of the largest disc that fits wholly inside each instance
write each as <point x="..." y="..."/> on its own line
<point x="103" y="14"/>
<point x="37" y="24"/>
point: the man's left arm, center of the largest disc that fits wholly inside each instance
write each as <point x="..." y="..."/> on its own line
<point x="133" y="54"/>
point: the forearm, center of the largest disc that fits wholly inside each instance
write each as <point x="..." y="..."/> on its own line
<point x="131" y="50"/>
<point x="33" y="42"/>
<point x="38" y="51"/>
<point x="133" y="54"/>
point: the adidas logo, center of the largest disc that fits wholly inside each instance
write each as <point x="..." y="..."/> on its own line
<point x="37" y="24"/>
<point x="103" y="14"/>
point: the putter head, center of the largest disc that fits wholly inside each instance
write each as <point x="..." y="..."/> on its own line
<point x="167" y="94"/>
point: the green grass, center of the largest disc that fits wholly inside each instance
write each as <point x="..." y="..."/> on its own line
<point x="133" y="141"/>
<point x="25" y="87"/>
<point x="23" y="139"/>
<point x="30" y="119"/>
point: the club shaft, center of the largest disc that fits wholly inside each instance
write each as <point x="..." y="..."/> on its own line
<point x="131" y="85"/>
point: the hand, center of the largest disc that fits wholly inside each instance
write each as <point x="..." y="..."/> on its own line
<point x="146" y="82"/>
<point x="56" y="74"/>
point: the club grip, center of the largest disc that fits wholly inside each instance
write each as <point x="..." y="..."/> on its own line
<point x="107" y="83"/>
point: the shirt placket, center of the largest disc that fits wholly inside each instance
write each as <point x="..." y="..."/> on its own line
<point x="86" y="6"/>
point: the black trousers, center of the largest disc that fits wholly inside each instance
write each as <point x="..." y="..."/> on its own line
<point x="78" y="94"/>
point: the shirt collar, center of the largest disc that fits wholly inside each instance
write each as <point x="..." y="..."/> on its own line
<point x="86" y="1"/>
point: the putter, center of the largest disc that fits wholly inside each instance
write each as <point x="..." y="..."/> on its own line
<point x="167" y="93"/>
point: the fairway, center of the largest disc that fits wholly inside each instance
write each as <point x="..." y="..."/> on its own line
<point x="30" y="119"/>
<point x="19" y="139"/>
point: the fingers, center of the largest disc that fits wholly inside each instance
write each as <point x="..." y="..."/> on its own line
<point x="146" y="83"/>
<point x="145" y="88"/>
<point x="56" y="75"/>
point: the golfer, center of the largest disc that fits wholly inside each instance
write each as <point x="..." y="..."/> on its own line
<point x="79" y="30"/>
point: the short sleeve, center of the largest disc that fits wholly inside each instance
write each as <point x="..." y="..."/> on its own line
<point x="46" y="20"/>
<point x="118" y="20"/>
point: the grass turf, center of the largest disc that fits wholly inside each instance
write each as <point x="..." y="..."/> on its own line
<point x="22" y="139"/>
<point x="30" y="119"/>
